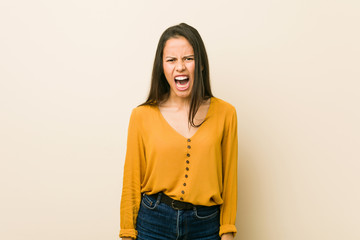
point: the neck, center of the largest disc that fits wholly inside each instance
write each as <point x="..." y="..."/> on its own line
<point x="178" y="102"/>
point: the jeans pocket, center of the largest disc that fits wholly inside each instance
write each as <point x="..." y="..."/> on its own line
<point x="149" y="202"/>
<point x="206" y="212"/>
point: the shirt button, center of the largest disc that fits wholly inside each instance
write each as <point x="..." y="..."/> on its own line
<point x="186" y="175"/>
<point x="184" y="184"/>
<point x="187" y="161"/>
<point x="188" y="146"/>
<point x="187" y="169"/>
<point x="188" y="154"/>
<point x="189" y="140"/>
<point x="181" y="199"/>
<point x="182" y="192"/>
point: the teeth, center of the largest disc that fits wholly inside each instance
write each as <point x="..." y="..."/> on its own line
<point x="181" y="78"/>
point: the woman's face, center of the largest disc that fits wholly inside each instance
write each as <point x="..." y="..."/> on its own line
<point x="179" y="66"/>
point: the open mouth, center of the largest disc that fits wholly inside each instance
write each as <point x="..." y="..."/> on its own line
<point x="182" y="82"/>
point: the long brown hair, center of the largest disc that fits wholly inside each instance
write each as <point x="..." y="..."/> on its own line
<point x="159" y="90"/>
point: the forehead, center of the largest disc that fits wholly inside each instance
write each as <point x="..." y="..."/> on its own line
<point x="176" y="46"/>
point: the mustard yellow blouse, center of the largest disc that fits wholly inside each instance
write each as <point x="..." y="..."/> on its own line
<point x="159" y="159"/>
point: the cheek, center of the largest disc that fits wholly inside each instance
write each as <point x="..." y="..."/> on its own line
<point x="167" y="69"/>
<point x="191" y="69"/>
<point x="167" y="72"/>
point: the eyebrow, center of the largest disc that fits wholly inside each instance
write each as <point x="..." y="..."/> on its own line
<point x="184" y="56"/>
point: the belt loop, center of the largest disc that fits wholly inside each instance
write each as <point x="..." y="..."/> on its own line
<point x="158" y="198"/>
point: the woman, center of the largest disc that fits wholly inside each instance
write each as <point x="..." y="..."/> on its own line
<point x="180" y="173"/>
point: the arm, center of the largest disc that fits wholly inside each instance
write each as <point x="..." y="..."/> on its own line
<point x="229" y="164"/>
<point x="133" y="169"/>
<point x="227" y="236"/>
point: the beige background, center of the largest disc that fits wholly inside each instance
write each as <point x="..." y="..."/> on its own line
<point x="71" y="71"/>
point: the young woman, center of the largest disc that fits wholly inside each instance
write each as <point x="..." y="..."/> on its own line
<point x="180" y="173"/>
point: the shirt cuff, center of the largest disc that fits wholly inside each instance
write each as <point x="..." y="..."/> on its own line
<point x="128" y="233"/>
<point x="228" y="228"/>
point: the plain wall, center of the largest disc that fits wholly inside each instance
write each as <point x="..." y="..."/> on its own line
<point x="72" y="70"/>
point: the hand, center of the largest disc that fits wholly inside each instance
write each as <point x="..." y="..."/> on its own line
<point x="227" y="236"/>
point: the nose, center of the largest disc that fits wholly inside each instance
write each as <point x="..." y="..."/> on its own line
<point x="180" y="66"/>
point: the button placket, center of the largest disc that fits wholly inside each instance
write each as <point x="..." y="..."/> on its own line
<point x="187" y="161"/>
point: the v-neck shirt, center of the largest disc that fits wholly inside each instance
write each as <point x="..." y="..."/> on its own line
<point x="166" y="121"/>
<point x="201" y="170"/>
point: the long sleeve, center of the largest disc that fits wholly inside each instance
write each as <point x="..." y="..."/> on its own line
<point x="133" y="169"/>
<point x="229" y="172"/>
<point x="154" y="148"/>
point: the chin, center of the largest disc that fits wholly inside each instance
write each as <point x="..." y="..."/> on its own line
<point x="183" y="94"/>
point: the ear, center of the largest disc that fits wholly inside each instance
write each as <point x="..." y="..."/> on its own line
<point x="202" y="68"/>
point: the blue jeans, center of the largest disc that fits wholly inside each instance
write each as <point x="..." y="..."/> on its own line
<point x="158" y="221"/>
